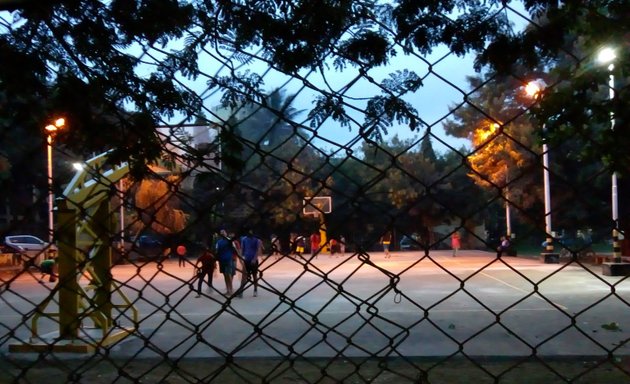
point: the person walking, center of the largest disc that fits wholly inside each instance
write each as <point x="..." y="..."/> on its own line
<point x="455" y="243"/>
<point x="225" y="254"/>
<point x="386" y="240"/>
<point x="181" y="255"/>
<point x="205" y="267"/>
<point x="251" y="248"/>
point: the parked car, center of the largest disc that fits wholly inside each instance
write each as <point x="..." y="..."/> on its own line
<point x="31" y="248"/>
<point x="415" y="242"/>
<point x="148" y="241"/>
<point x="145" y="247"/>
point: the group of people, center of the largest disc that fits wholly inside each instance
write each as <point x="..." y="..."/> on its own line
<point x="503" y="247"/>
<point x="234" y="254"/>
<point x="456" y="244"/>
<point x="231" y="254"/>
<point x="298" y="244"/>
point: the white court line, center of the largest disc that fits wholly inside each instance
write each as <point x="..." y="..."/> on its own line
<point x="522" y="290"/>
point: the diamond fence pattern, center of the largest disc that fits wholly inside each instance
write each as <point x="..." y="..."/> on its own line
<point x="376" y="289"/>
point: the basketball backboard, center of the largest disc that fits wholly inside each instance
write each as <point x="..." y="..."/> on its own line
<point x="317" y="205"/>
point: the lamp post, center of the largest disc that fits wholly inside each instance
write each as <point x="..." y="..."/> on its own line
<point x="533" y="89"/>
<point x="607" y="56"/>
<point x="121" y="195"/>
<point x="508" y="216"/>
<point x="51" y="130"/>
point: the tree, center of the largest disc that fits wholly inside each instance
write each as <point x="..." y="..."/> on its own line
<point x="289" y="35"/>
<point x="270" y="165"/>
<point x="157" y="207"/>
<point x="502" y="136"/>
<point x="565" y="40"/>
<point x="75" y="57"/>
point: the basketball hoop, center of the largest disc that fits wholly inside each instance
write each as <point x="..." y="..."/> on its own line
<point x="317" y="205"/>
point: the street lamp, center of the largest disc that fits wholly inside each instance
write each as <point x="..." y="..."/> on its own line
<point x="51" y="130"/>
<point x="121" y="196"/>
<point x="533" y="89"/>
<point x="607" y="56"/>
<point x="508" y="215"/>
<point x="494" y="127"/>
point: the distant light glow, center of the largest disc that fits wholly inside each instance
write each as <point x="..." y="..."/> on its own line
<point x="606" y="55"/>
<point x="532" y="89"/>
<point x="57" y="124"/>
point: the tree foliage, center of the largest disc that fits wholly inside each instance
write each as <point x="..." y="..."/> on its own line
<point x="158" y="207"/>
<point x="505" y="147"/>
<point x="82" y="47"/>
<point x="115" y="70"/>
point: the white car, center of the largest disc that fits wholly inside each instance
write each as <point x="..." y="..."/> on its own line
<point x="31" y="248"/>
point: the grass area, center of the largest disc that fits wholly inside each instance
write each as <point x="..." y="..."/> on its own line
<point x="400" y="370"/>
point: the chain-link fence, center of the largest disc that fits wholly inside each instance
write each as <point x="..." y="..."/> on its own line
<point x="310" y="210"/>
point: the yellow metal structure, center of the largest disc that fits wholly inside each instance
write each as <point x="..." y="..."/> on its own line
<point x="85" y="214"/>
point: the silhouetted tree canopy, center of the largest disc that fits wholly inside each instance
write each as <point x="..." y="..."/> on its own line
<point x="72" y="57"/>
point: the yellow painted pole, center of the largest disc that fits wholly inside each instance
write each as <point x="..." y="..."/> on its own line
<point x="322" y="234"/>
<point x="103" y="224"/>
<point x="69" y="290"/>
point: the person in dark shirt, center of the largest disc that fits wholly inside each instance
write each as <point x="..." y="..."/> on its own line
<point x="206" y="264"/>
<point x="503" y="247"/>
<point x="251" y="248"/>
<point x="225" y="255"/>
<point x="48" y="267"/>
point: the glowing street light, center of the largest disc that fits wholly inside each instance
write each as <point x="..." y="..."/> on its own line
<point x="534" y="90"/>
<point x="51" y="131"/>
<point x="605" y="56"/>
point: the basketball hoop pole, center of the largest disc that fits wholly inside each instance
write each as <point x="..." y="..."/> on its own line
<point x="322" y="234"/>
<point x="317" y="206"/>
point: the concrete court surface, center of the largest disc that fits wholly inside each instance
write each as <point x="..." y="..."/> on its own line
<point x="406" y="305"/>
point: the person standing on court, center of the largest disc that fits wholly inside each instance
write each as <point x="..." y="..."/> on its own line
<point x="455" y="243"/>
<point x="181" y="254"/>
<point x="225" y="255"/>
<point x="206" y="264"/>
<point x="251" y="248"/>
<point x="386" y="240"/>
<point x="300" y="244"/>
<point x="276" y="247"/>
<point x="315" y="240"/>
<point x="334" y="246"/>
<point x="239" y="264"/>
<point x="503" y="247"/>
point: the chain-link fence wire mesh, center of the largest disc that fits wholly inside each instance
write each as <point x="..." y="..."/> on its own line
<point x="426" y="171"/>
